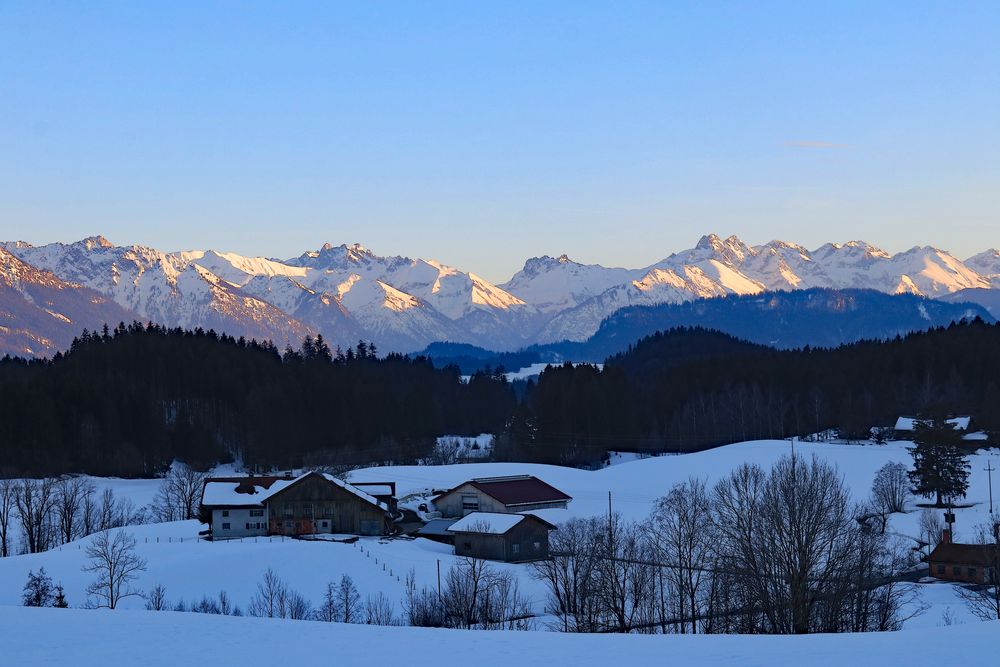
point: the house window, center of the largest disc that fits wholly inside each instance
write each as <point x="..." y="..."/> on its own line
<point x="307" y="511"/>
<point x="957" y="571"/>
<point x="225" y="512"/>
<point x="941" y="569"/>
<point x="326" y="524"/>
<point x="468" y="545"/>
<point x="515" y="548"/>
<point x="248" y="525"/>
<point x="470" y="503"/>
<point x="225" y="526"/>
<point x="537" y="545"/>
<point x="288" y="524"/>
<point x="288" y="511"/>
<point x="256" y="512"/>
<point x="972" y="571"/>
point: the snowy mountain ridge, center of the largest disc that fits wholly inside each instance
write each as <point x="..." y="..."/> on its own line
<point x="347" y="292"/>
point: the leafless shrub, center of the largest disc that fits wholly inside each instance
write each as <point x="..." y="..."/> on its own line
<point x="378" y="610"/>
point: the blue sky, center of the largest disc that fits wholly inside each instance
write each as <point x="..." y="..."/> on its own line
<point x="483" y="133"/>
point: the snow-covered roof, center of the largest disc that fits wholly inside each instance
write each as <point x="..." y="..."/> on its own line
<point x="492" y="523"/>
<point x="233" y="493"/>
<point x="376" y="489"/>
<point x="909" y="423"/>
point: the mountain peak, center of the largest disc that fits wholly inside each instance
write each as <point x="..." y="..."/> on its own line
<point x="708" y="242"/>
<point x="92" y="242"/>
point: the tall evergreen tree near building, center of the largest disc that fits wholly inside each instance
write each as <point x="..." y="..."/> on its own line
<point x="940" y="469"/>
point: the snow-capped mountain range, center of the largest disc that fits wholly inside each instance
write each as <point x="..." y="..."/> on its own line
<point x="347" y="292"/>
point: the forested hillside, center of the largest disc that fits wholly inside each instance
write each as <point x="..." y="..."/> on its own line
<point x="689" y="389"/>
<point x="128" y="401"/>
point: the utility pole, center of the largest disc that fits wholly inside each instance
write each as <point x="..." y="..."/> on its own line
<point x="989" y="473"/>
<point x="439" y="579"/>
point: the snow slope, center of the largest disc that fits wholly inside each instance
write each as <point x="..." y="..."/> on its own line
<point x="190" y="569"/>
<point x="151" y="639"/>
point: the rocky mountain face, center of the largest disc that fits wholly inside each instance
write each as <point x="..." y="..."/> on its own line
<point x="347" y="292"/>
<point x="40" y="313"/>
<point x="719" y="267"/>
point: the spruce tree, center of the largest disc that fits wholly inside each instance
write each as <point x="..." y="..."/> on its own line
<point x="940" y="469"/>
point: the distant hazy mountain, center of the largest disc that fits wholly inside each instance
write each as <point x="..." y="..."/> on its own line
<point x="816" y="317"/>
<point x="347" y="292"/>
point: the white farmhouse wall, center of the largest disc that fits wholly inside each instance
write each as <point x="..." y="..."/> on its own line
<point x="240" y="522"/>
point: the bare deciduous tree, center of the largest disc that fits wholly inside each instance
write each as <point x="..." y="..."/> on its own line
<point x="423" y="607"/>
<point x="931" y="527"/>
<point x="156" y="599"/>
<point x="891" y="488"/>
<point x="569" y="575"/>
<point x="271" y="598"/>
<point x="114" y="560"/>
<point x="348" y="601"/>
<point x="681" y="532"/>
<point x="8" y="501"/>
<point x="179" y="494"/>
<point x="35" y="499"/>
<point x="71" y="492"/>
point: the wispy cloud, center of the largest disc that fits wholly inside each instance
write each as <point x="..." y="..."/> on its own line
<point x="806" y="143"/>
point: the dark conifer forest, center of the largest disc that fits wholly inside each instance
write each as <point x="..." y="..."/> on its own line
<point x="691" y="389"/>
<point x="129" y="401"/>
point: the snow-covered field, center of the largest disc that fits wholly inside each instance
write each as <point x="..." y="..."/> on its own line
<point x="191" y="569"/>
<point x="153" y="639"/>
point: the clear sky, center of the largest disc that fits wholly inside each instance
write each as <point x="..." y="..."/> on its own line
<point x="482" y="133"/>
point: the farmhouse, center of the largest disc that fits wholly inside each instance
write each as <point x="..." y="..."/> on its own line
<point x="309" y="504"/>
<point x="518" y="493"/>
<point x="968" y="563"/>
<point x="505" y="537"/>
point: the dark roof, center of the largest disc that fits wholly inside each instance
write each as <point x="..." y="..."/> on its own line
<point x="518" y="490"/>
<point x="247" y="483"/>
<point x="965" y="554"/>
<point x="437" y="527"/>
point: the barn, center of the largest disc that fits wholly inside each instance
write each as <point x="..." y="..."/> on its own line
<point x="309" y="504"/>
<point x="518" y="493"/>
<point x="511" y="538"/>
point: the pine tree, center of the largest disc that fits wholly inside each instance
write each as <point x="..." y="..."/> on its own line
<point x="59" y="598"/>
<point x="940" y="469"/>
<point x="38" y="589"/>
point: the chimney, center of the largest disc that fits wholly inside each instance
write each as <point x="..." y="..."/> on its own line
<point x="946" y="536"/>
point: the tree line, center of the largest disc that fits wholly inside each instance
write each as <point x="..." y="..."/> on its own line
<point x="128" y="401"/>
<point x="131" y="400"/>
<point x="691" y="389"/>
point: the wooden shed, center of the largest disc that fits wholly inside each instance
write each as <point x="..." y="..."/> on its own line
<point x="967" y="563"/>
<point x="511" y="538"/>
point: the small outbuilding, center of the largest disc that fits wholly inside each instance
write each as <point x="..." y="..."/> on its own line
<point x="966" y="563"/>
<point x="384" y="492"/>
<point x="511" y="538"/>
<point x="517" y="493"/>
